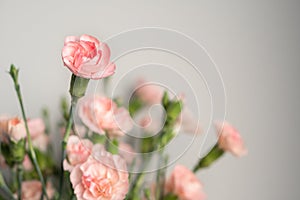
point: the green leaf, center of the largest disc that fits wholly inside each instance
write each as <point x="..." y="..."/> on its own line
<point x="165" y="100"/>
<point x="147" y="193"/>
<point x="173" y="110"/>
<point x="170" y="197"/>
<point x="98" y="139"/>
<point x="112" y="146"/>
<point x="166" y="137"/>
<point x="135" y="104"/>
<point x="148" y="144"/>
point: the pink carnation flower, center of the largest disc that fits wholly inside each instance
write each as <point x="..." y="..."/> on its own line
<point x="184" y="184"/>
<point x="230" y="139"/>
<point x="101" y="114"/>
<point x="87" y="57"/>
<point x="12" y="128"/>
<point x="103" y="176"/>
<point x="78" y="150"/>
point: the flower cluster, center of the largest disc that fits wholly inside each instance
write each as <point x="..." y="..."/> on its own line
<point x="96" y="157"/>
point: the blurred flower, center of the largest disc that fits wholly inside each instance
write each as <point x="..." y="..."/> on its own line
<point x="101" y="114"/>
<point x="87" y="57"/>
<point x="38" y="135"/>
<point x="32" y="190"/>
<point x="41" y="142"/>
<point x="36" y="127"/>
<point x="78" y="150"/>
<point x="27" y="163"/>
<point x="230" y="139"/>
<point x="126" y="151"/>
<point x="184" y="184"/>
<point x="12" y="128"/>
<point x="152" y="94"/>
<point x="80" y="130"/>
<point x="102" y="176"/>
<point x="149" y="93"/>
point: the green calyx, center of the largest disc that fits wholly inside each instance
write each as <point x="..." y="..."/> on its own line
<point x="13" y="151"/>
<point x="78" y="86"/>
<point x="214" y="154"/>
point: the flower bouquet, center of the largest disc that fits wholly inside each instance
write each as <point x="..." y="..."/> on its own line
<point x="97" y="161"/>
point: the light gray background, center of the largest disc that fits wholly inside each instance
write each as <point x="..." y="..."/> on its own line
<point x="255" y="44"/>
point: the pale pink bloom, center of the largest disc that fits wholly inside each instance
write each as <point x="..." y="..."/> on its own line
<point x="184" y="184"/>
<point x="77" y="150"/>
<point x="103" y="176"/>
<point x="87" y="57"/>
<point x="32" y="190"/>
<point x="126" y="151"/>
<point x="230" y="139"/>
<point x="27" y="163"/>
<point x="39" y="138"/>
<point x="101" y="114"/>
<point x="13" y="129"/>
<point x="149" y="93"/>
<point x="41" y="142"/>
<point x="36" y="127"/>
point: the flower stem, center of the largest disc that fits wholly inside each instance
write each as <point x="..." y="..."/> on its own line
<point x="64" y="144"/>
<point x="14" y="74"/>
<point x="161" y="175"/>
<point x="137" y="181"/>
<point x="20" y="179"/>
<point x="7" y="194"/>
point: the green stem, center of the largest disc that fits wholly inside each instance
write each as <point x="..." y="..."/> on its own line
<point x="215" y="153"/>
<point x="7" y="194"/>
<point x="31" y="150"/>
<point x="137" y="182"/>
<point x="20" y="179"/>
<point x="46" y="119"/>
<point x="111" y="144"/>
<point x="64" y="144"/>
<point x="106" y="85"/>
<point x="136" y="190"/>
<point x="161" y="175"/>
